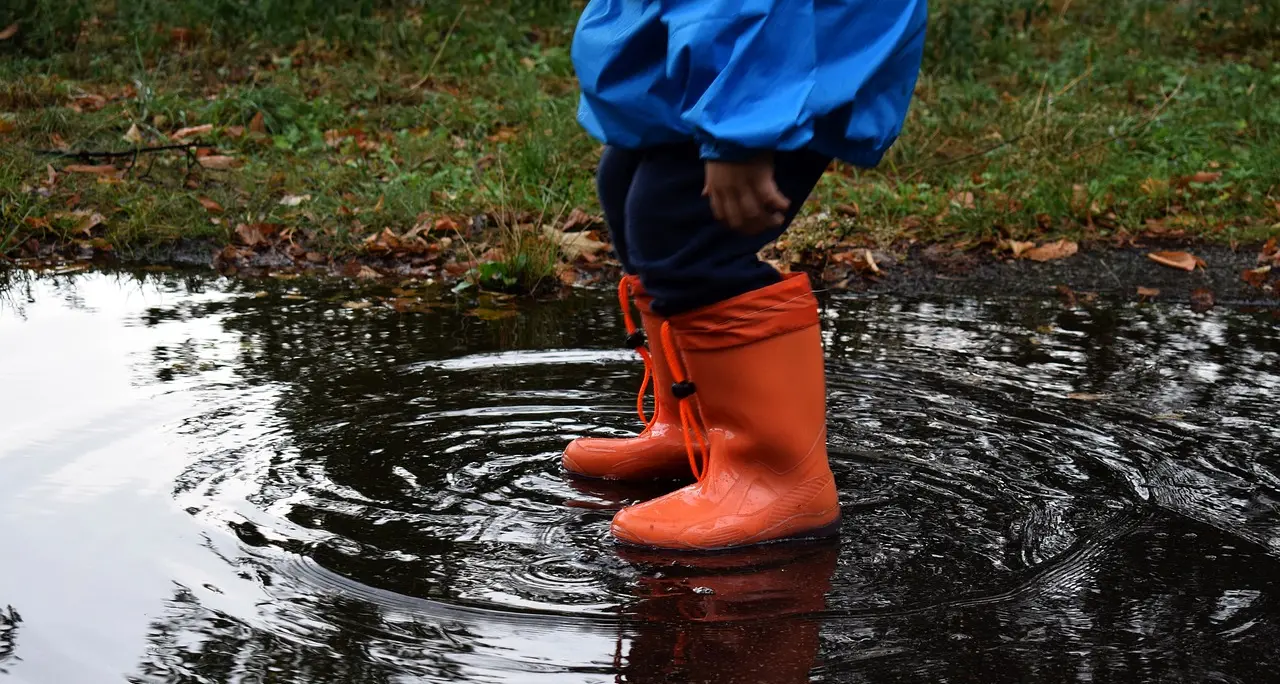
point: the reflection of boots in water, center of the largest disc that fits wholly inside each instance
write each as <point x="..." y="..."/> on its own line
<point x="747" y="616"/>
<point x="658" y="452"/>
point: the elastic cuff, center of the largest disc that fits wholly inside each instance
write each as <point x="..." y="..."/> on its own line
<point x="722" y="151"/>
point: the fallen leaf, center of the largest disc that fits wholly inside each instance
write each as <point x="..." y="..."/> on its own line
<point x="6" y="126"/>
<point x="445" y="224"/>
<point x="1201" y="177"/>
<point x="1270" y="254"/>
<point x="1086" y="396"/>
<point x="315" y="257"/>
<point x="9" y="31"/>
<point x="1182" y="260"/>
<point x="88" y="102"/>
<point x="964" y="200"/>
<point x="1201" y="300"/>
<point x="580" y="220"/>
<point x="190" y="131"/>
<point x="258" y="124"/>
<point x="574" y="245"/>
<point x="218" y="162"/>
<point x="1148" y="292"/>
<point x="233" y="131"/>
<point x="1017" y="247"/>
<point x="1052" y="250"/>
<point x="210" y="205"/>
<point x="1257" y="277"/>
<point x="1152" y="187"/>
<point x="256" y="234"/>
<point x="357" y="305"/>
<point x="89" y="220"/>
<point x="85" y="168"/>
<point x="133" y="135"/>
<point x="37" y="222"/>
<point x="1067" y="295"/>
<point x="1079" y="198"/>
<point x="294" y="200"/>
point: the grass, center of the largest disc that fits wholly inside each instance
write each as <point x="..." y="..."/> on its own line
<point x="1034" y="120"/>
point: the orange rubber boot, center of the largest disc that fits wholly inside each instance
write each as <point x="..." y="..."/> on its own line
<point x="752" y="391"/>
<point x="659" y="451"/>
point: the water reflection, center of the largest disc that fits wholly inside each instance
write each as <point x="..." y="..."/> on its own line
<point x="295" y="491"/>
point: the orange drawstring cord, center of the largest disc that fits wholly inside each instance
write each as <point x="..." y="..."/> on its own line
<point x="683" y="391"/>
<point x="635" y="340"/>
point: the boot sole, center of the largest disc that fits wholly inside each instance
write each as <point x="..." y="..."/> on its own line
<point x="831" y="529"/>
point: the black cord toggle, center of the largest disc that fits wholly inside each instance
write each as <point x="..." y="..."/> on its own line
<point x="635" y="340"/>
<point x="683" y="390"/>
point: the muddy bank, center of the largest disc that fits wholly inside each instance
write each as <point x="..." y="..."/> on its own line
<point x="1096" y="270"/>
<point x="1106" y="271"/>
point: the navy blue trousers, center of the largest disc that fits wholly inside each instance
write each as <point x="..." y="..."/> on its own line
<point x="663" y="229"/>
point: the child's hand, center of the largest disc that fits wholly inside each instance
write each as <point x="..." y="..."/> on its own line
<point x="744" y="196"/>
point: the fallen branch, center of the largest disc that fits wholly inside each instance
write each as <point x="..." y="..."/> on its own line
<point x="89" y="154"/>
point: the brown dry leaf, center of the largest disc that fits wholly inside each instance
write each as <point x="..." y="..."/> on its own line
<point x="6" y="126"/>
<point x="1151" y="187"/>
<point x="964" y="200"/>
<point x="1201" y="177"/>
<point x="1201" y="300"/>
<point x="1052" y="250"/>
<point x="9" y="31"/>
<point x="191" y="130"/>
<point x="1270" y="253"/>
<point x="580" y="220"/>
<point x="220" y="162"/>
<point x="255" y="234"/>
<point x="315" y="257"/>
<point x="233" y="132"/>
<point x="1067" y="295"/>
<point x="87" y="168"/>
<point x="503" y="134"/>
<point x="210" y="205"/>
<point x="574" y="245"/>
<point x="258" y="124"/>
<point x="1017" y="247"/>
<point x="1181" y="260"/>
<point x="133" y="135"/>
<point x="88" y="102"/>
<point x="445" y="225"/>
<point x="36" y="222"/>
<point x="1256" y="277"/>
<point x="1079" y="198"/>
<point x="89" y="221"/>
<point x="1148" y="292"/>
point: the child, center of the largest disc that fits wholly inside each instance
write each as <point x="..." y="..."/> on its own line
<point x="719" y="118"/>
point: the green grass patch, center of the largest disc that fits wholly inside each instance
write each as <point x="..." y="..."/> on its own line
<point x="1033" y="120"/>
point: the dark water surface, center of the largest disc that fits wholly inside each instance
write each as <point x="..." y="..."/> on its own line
<point x="213" y="481"/>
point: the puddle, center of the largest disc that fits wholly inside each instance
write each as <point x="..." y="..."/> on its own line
<point x="204" y="480"/>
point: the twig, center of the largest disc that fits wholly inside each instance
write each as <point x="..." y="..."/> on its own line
<point x="89" y="154"/>
<point x="439" y="52"/>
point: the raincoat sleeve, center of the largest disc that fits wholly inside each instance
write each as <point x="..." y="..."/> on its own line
<point x="762" y="74"/>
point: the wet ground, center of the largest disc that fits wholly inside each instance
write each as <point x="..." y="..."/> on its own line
<point x="209" y="480"/>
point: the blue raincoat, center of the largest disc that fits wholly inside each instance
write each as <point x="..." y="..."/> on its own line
<point x="739" y="76"/>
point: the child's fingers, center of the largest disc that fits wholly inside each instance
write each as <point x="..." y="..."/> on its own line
<point x="731" y="212"/>
<point x="773" y="197"/>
